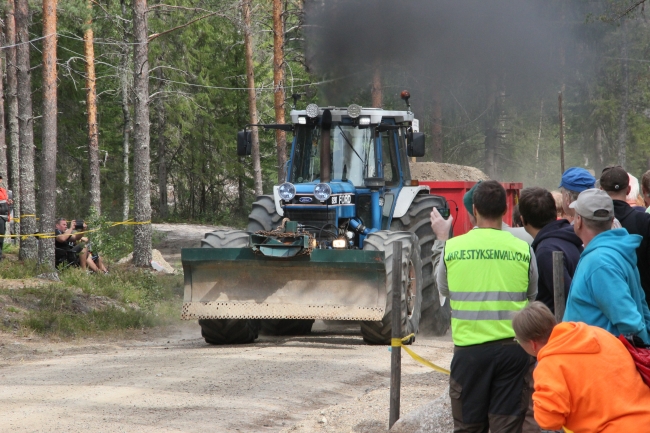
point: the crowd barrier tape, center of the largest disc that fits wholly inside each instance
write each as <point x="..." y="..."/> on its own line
<point x="52" y="235"/>
<point x="399" y="342"/>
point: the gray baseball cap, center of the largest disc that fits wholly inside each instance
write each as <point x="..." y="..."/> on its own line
<point x="594" y="204"/>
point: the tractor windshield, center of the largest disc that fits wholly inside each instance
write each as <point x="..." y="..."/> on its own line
<point x="352" y="154"/>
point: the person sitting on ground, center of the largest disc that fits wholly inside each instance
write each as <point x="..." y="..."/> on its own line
<point x="574" y="181"/>
<point x="538" y="215"/>
<point x="606" y="290"/>
<point x="66" y="241"/>
<point x="585" y="379"/>
<point x="615" y="182"/>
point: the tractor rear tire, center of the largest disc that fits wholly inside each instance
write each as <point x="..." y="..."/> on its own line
<point x="435" y="319"/>
<point x="263" y="215"/>
<point x="380" y="332"/>
<point x="286" y="326"/>
<point x="228" y="331"/>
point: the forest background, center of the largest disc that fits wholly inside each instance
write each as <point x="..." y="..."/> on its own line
<point x="484" y="78"/>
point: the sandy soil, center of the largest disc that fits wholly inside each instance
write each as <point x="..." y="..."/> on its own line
<point x="172" y="381"/>
<point x="441" y="171"/>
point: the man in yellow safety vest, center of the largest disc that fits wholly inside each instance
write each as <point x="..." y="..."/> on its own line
<point x="488" y="275"/>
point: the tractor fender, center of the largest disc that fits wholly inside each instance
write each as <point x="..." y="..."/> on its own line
<point x="406" y="197"/>
<point x="276" y="199"/>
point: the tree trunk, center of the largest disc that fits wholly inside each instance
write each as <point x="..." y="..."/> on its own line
<point x="28" y="245"/>
<point x="3" y="139"/>
<point x="539" y="136"/>
<point x="162" y="150"/>
<point x="278" y="83"/>
<point x="376" y="91"/>
<point x="600" y="159"/>
<point x="126" y="114"/>
<point x="436" y="126"/>
<point x="12" y="109"/>
<point x="47" y="188"/>
<point x="491" y="133"/>
<point x="252" y="96"/>
<point x="625" y="101"/>
<point x="141" y="157"/>
<point x="91" y="107"/>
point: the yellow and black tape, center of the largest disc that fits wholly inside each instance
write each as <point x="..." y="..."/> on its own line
<point x="399" y="342"/>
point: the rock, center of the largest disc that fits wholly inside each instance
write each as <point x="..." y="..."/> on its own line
<point x="432" y="417"/>
<point x="158" y="262"/>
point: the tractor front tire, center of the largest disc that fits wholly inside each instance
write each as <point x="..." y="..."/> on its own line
<point x="286" y="326"/>
<point x="435" y="319"/>
<point x="379" y="332"/>
<point x="228" y="331"/>
<point x="263" y="215"/>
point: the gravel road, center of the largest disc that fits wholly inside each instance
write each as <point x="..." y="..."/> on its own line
<point x="172" y="381"/>
<point x="169" y="379"/>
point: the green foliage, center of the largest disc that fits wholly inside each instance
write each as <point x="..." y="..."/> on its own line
<point x="109" y="240"/>
<point x="11" y="270"/>
<point x="84" y="304"/>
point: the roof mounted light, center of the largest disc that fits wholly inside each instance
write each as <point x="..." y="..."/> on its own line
<point x="287" y="191"/>
<point x="322" y="191"/>
<point x="312" y="110"/>
<point x="302" y="120"/>
<point x="354" y="111"/>
<point x="364" y="120"/>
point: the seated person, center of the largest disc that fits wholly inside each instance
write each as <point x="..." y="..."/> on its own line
<point x="68" y="251"/>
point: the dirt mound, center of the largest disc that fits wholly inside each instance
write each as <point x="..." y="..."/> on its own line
<point x="441" y="171"/>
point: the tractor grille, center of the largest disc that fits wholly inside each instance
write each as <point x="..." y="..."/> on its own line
<point x="316" y="218"/>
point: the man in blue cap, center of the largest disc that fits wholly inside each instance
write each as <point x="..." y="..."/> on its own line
<point x="574" y="181"/>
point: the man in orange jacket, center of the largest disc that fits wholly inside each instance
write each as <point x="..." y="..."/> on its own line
<point x="585" y="379"/>
<point x="5" y="202"/>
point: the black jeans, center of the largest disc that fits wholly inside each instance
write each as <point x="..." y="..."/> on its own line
<point x="487" y="387"/>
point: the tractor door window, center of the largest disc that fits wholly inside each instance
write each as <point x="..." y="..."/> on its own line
<point x="389" y="159"/>
<point x="403" y="156"/>
<point x="306" y="157"/>
<point x="353" y="154"/>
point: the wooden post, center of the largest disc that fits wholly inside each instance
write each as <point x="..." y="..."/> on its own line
<point x="558" y="284"/>
<point x="396" y="352"/>
<point x="559" y="103"/>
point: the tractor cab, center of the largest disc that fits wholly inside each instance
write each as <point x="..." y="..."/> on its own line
<point x="346" y="170"/>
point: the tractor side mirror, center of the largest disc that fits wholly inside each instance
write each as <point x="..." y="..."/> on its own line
<point x="244" y="143"/>
<point x="416" y="146"/>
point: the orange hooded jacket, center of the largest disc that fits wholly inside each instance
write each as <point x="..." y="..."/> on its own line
<point x="586" y="380"/>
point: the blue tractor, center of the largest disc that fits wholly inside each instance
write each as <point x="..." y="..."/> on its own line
<point x="321" y="246"/>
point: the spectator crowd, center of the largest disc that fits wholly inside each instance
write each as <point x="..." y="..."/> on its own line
<point x="515" y="369"/>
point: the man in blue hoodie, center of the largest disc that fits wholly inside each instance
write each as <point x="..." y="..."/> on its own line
<point x="606" y="288"/>
<point x="539" y="216"/>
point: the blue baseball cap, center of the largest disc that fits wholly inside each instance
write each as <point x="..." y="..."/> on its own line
<point x="577" y="179"/>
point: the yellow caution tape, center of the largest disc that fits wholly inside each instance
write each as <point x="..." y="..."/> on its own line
<point x="53" y="235"/>
<point x="399" y="342"/>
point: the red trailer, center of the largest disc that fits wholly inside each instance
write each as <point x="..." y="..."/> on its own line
<point x="454" y="191"/>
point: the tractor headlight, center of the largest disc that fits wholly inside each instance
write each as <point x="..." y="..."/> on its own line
<point x="339" y="244"/>
<point x="312" y="110"/>
<point x="322" y="191"/>
<point x="354" y="111"/>
<point x="287" y="191"/>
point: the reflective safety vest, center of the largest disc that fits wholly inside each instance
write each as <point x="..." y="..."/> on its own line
<point x="487" y="274"/>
